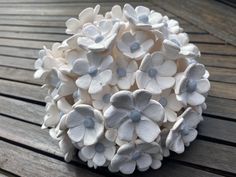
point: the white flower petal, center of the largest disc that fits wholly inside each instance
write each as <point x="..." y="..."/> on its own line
<point x="168" y="68"/>
<point x="147" y="130"/>
<point x="84" y="81"/>
<point x="155" y="164"/>
<point x="190" y="137"/>
<point x="126" y="131"/>
<point x="153" y="87"/>
<point x="106" y="63"/>
<point x="110" y="152"/>
<point x="99" y="159"/>
<point x="203" y="85"/>
<point x="80" y="67"/>
<point x="122" y="99"/>
<point x="195" y="99"/>
<point x="173" y="103"/>
<point x="165" y="82"/>
<point x="142" y="79"/>
<point x="74" y="119"/>
<point x="88" y="152"/>
<point x="90" y="137"/>
<point x="154" y="111"/>
<point x="144" y="161"/>
<point x="76" y="134"/>
<point x="128" y="167"/>
<point x="141" y="98"/>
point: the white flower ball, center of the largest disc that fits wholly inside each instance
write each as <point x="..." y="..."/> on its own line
<point x="124" y="89"/>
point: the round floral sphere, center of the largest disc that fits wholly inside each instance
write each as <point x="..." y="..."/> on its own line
<point x="124" y="90"/>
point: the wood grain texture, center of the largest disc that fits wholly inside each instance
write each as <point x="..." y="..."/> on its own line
<point x="24" y="162"/>
<point x="205" y="14"/>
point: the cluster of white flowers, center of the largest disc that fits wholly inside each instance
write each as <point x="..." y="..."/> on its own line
<point x="124" y="89"/>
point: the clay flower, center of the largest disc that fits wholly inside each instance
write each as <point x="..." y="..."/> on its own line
<point x="47" y="60"/>
<point x="192" y="85"/>
<point x="184" y="131"/>
<point x="52" y="117"/>
<point x="85" y="124"/>
<point x="134" y="114"/>
<point x="135" y="154"/>
<point x="59" y="84"/>
<point x="177" y="45"/>
<point x="116" y="13"/>
<point x="98" y="37"/>
<point x="136" y="45"/>
<point x="171" y="105"/>
<point x="88" y="15"/>
<point x="95" y="72"/>
<point x="142" y="17"/>
<point x="155" y="73"/>
<point x="98" y="154"/>
<point x="101" y="100"/>
<point x="124" y="72"/>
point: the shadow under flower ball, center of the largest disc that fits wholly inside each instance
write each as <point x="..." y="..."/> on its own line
<point x="124" y="90"/>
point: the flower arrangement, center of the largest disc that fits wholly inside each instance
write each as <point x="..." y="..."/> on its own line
<point x="124" y="90"/>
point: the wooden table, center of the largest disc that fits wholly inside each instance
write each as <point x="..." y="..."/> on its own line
<point x="26" y="150"/>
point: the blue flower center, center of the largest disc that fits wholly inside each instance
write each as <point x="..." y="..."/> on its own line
<point x="143" y="18"/>
<point x="185" y="130"/>
<point x="106" y="98"/>
<point x="99" y="147"/>
<point x="134" y="47"/>
<point x="93" y="71"/>
<point x="89" y="123"/>
<point x="136" y="155"/>
<point x="98" y="39"/>
<point x="121" y="72"/>
<point x="135" y="116"/>
<point x="152" y="72"/>
<point x="163" y="101"/>
<point x="191" y="86"/>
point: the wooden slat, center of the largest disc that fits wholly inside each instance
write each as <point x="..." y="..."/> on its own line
<point x="223" y="90"/>
<point x="218" y="129"/>
<point x="22" y="110"/>
<point x="212" y="155"/>
<point x="215" y="17"/>
<point x="18" y="75"/>
<point x="221" y="107"/>
<point x="45" y="143"/>
<point x="18" y="89"/>
<point x="17" y="62"/>
<point x="24" y="162"/>
<point x="205" y="38"/>
<point x="218" y="61"/>
<point x="225" y="49"/>
<point x="222" y="74"/>
<point x="19" y="52"/>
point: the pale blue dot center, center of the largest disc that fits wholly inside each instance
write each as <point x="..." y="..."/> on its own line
<point x="89" y="123"/>
<point x="163" y="101"/>
<point x="143" y="18"/>
<point x="191" y="86"/>
<point x="99" y="147"/>
<point x="185" y="131"/>
<point x="136" y="155"/>
<point x="152" y="72"/>
<point x="93" y="71"/>
<point x="98" y="39"/>
<point x="134" y="47"/>
<point x="106" y="98"/>
<point x="135" y="116"/>
<point x="121" y="72"/>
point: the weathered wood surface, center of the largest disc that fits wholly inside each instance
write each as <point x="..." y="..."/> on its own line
<point x="26" y="150"/>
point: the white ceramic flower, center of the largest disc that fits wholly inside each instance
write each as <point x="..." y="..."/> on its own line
<point x="98" y="37"/>
<point x="52" y="117"/>
<point x="95" y="72"/>
<point x="163" y="135"/>
<point x="59" y="84"/>
<point x="142" y="17"/>
<point x="171" y="106"/>
<point x="192" y="85"/>
<point x="101" y="100"/>
<point x="85" y="124"/>
<point x="184" y="131"/>
<point x="47" y="60"/>
<point x="98" y="154"/>
<point x="138" y="154"/>
<point x="177" y="45"/>
<point x="123" y="72"/>
<point x="155" y="73"/>
<point x="88" y="15"/>
<point x="134" y="114"/>
<point x="136" y="45"/>
<point x="116" y="13"/>
<point x="67" y="147"/>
